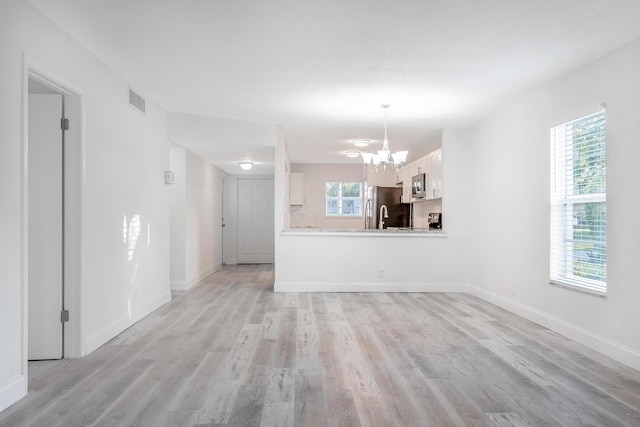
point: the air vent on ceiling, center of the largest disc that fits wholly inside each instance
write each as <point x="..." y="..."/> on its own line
<point x="136" y="100"/>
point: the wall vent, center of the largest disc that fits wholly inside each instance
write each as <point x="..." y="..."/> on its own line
<point x="136" y="100"/>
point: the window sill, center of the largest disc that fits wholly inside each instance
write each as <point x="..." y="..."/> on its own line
<point x="578" y="288"/>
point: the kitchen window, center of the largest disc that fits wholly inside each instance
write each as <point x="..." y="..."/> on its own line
<point x="578" y="250"/>
<point x="343" y="199"/>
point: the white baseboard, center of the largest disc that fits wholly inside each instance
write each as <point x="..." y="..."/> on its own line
<point x="115" y="328"/>
<point x="368" y="287"/>
<point x="13" y="392"/>
<point x="616" y="351"/>
<point x="183" y="285"/>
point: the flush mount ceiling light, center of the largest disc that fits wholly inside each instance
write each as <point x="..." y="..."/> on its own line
<point x="361" y="142"/>
<point x="378" y="162"/>
<point x="352" y="153"/>
<point x="246" y="165"/>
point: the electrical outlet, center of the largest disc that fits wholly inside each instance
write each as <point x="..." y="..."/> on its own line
<point x="381" y="273"/>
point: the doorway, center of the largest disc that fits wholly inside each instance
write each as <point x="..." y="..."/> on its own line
<point x="255" y="221"/>
<point x="52" y="219"/>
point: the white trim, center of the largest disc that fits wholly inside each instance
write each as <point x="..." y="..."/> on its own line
<point x="284" y="286"/>
<point x="74" y="330"/>
<point x="563" y="199"/>
<point x="111" y="331"/>
<point x="183" y="285"/>
<point x="74" y="342"/>
<point x="619" y="352"/>
<point x="13" y="392"/>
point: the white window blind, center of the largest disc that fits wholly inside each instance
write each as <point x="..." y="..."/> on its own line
<point x="578" y="250"/>
<point x="343" y="199"/>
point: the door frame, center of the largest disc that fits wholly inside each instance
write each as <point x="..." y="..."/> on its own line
<point x="74" y="337"/>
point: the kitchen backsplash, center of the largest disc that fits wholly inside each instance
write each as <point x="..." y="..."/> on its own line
<point x="303" y="217"/>
<point x="421" y="211"/>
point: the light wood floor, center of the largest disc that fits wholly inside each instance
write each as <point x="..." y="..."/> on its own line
<point x="231" y="352"/>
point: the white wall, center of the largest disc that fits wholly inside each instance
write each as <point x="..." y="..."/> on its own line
<point x="282" y="168"/>
<point x="203" y="250"/>
<point x="178" y="206"/>
<point x="196" y="218"/>
<point x="510" y="208"/>
<point x="312" y="213"/>
<point x="125" y="264"/>
<point x="383" y="178"/>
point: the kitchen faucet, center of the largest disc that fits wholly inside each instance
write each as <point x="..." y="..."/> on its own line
<point x="386" y="215"/>
<point x="367" y="213"/>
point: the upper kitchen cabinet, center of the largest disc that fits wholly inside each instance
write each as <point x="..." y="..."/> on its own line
<point x="434" y="174"/>
<point x="431" y="166"/>
<point x="406" y="173"/>
<point x="296" y="189"/>
<point x="421" y="165"/>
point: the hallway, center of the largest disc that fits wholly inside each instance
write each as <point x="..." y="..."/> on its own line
<point x="231" y="352"/>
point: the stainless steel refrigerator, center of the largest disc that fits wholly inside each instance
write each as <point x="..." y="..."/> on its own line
<point x="391" y="197"/>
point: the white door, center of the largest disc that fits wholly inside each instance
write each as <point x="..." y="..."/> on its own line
<point x="255" y="221"/>
<point x="45" y="227"/>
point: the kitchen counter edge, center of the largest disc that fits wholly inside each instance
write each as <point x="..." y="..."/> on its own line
<point x="354" y="232"/>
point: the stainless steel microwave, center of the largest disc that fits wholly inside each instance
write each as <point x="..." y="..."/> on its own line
<point x="418" y="190"/>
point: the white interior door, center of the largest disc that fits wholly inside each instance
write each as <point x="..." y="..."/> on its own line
<point x="45" y="227"/>
<point x="255" y="221"/>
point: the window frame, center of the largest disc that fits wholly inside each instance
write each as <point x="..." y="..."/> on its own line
<point x="341" y="198"/>
<point x="564" y="260"/>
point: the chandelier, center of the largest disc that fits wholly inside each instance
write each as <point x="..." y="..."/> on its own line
<point x="377" y="162"/>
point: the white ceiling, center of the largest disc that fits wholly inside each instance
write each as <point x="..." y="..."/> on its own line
<point x="322" y="68"/>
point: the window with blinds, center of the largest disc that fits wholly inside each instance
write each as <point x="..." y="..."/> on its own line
<point x="578" y="250"/>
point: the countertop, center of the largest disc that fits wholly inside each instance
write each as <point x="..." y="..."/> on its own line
<point x="391" y="232"/>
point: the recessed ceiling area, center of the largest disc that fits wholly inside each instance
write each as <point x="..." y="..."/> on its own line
<point x="227" y="156"/>
<point x="322" y="69"/>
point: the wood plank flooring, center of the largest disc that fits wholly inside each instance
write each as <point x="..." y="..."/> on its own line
<point x="230" y="352"/>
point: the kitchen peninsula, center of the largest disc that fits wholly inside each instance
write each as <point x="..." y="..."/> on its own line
<point x="323" y="257"/>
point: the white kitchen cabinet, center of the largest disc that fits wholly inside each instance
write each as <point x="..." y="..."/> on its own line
<point x="422" y="165"/>
<point x="405" y="173"/>
<point x="434" y="174"/>
<point x="431" y="166"/>
<point x="296" y="189"/>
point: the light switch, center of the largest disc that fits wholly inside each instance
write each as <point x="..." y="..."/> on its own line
<point x="169" y="177"/>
